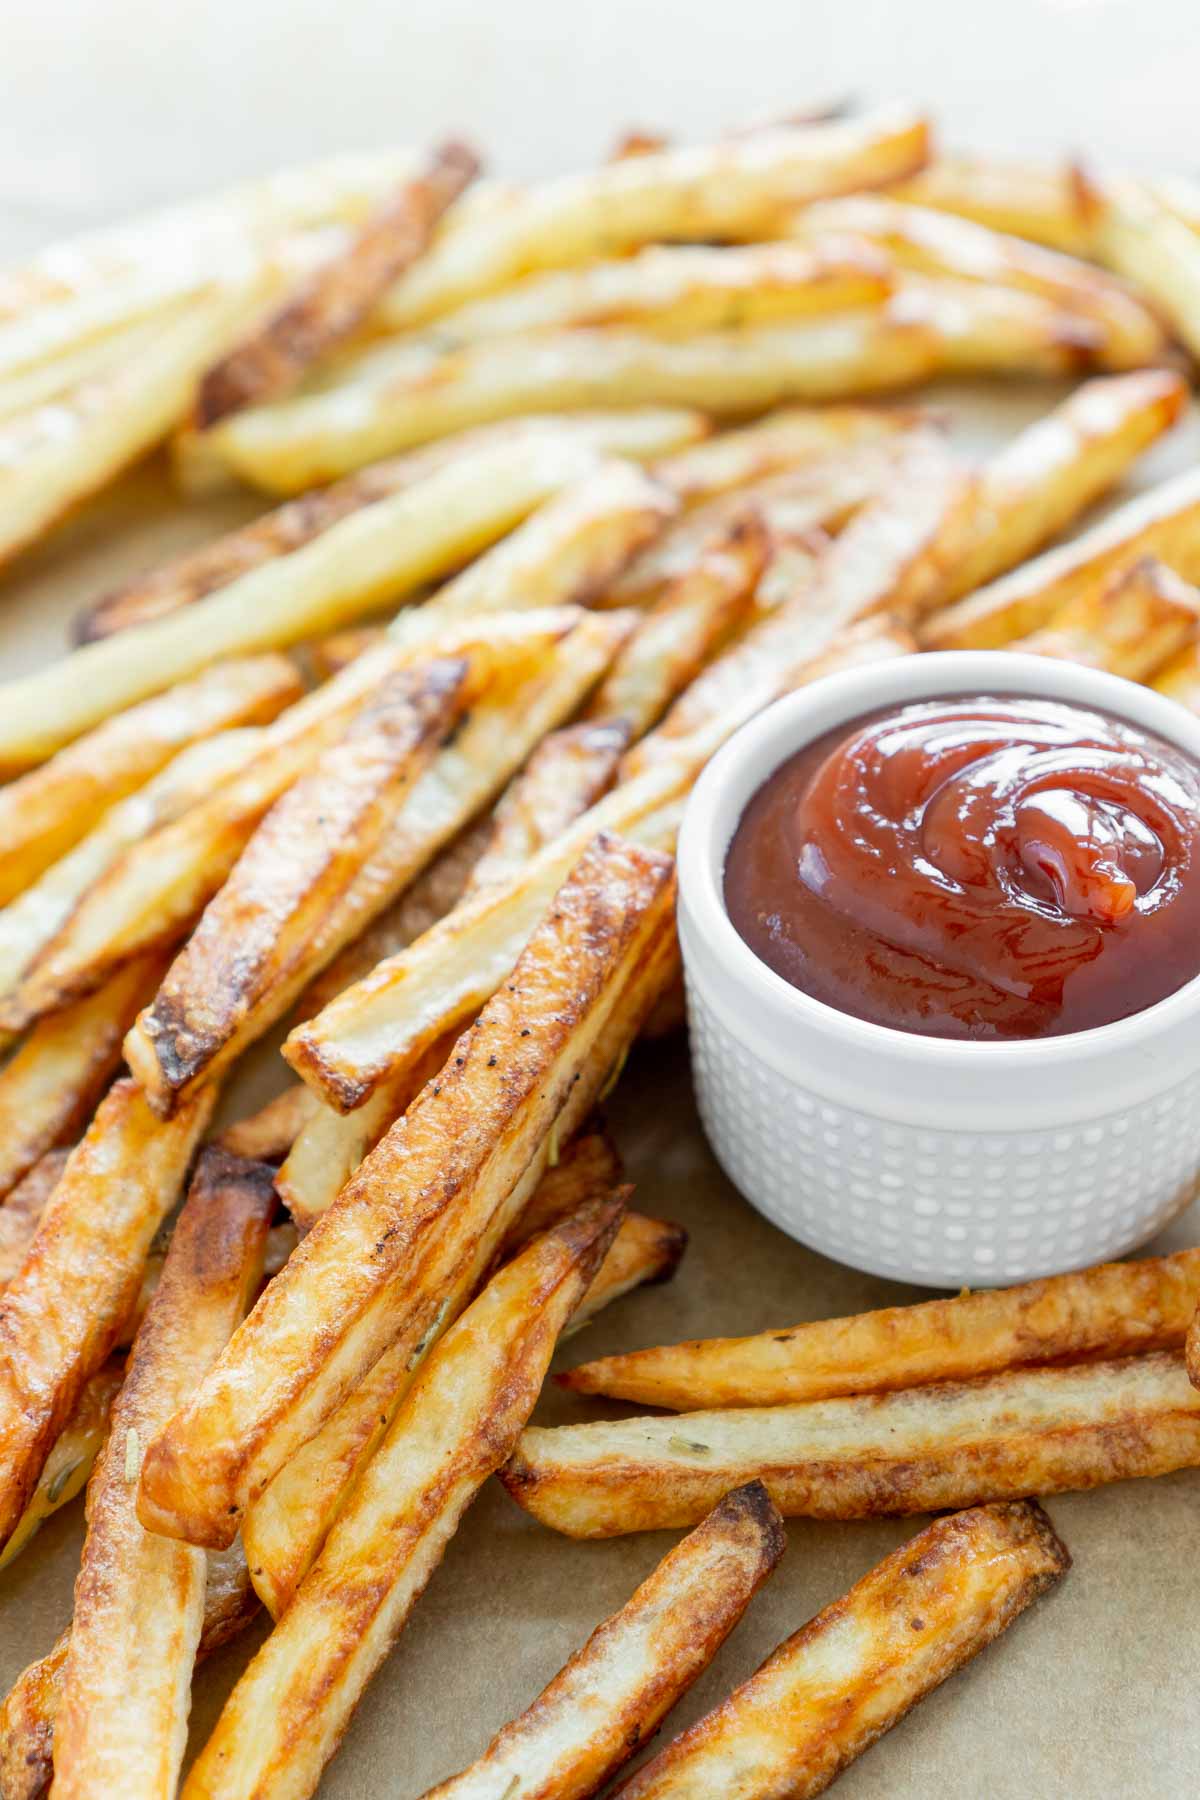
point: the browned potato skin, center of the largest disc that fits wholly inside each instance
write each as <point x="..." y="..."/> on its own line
<point x="1029" y="1450"/>
<point x="1193" y="1351"/>
<point x="22" y="1209"/>
<point x="567" y="773"/>
<point x="637" y="1664"/>
<point x="916" y="1619"/>
<point x="1109" y="1311"/>
<point x="268" y="1134"/>
<point x="335" y="301"/>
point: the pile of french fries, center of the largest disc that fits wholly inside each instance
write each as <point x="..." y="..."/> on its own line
<point x="399" y="767"/>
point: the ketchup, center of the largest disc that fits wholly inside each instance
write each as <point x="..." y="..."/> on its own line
<point x="990" y="868"/>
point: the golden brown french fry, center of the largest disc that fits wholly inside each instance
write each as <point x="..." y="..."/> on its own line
<point x="1139" y="235"/>
<point x="1193" y="1350"/>
<point x="1054" y="470"/>
<point x="268" y="1134"/>
<point x="568" y="772"/>
<point x="70" y="1461"/>
<point x="1180" y="678"/>
<point x="477" y="1125"/>
<point x="47" y="811"/>
<point x="338" y="296"/>
<point x="50" y="1086"/>
<point x="920" y="1449"/>
<point x="379" y="553"/>
<point x="1109" y="1311"/>
<point x="258" y="938"/>
<point x="831" y="1690"/>
<point x="678" y="288"/>
<point x="23" y="1208"/>
<point x="1164" y="523"/>
<point x="62" y="1314"/>
<point x="614" y="1692"/>
<point x="121" y="1724"/>
<point x="1134" y="625"/>
<point x="1020" y="199"/>
<point x="644" y="1252"/>
<point x="733" y="189"/>
<point x="288" y="1713"/>
<point x="329" y="655"/>
<point x="935" y="243"/>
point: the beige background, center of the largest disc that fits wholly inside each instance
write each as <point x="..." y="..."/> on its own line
<point x="106" y="107"/>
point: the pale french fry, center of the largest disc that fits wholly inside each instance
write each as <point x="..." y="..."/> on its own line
<point x="781" y="440"/>
<point x="25" y="389"/>
<point x="121" y="1724"/>
<point x="1020" y="199"/>
<point x="252" y="948"/>
<point x="329" y="655"/>
<point x="641" y="434"/>
<point x="831" y="1690"/>
<point x="339" y="296"/>
<point x="28" y="923"/>
<point x="50" y="1086"/>
<point x="268" y="1134"/>
<point x="62" y="1314"/>
<point x="978" y="330"/>
<point x="734" y="189"/>
<point x="289" y="1711"/>
<point x="614" y="1693"/>
<point x="935" y="243"/>
<point x="696" y="613"/>
<point x="478" y="1123"/>
<point x="1139" y="235"/>
<point x="45" y="813"/>
<point x="1135" y="624"/>
<point x="1182" y="196"/>
<point x="1109" y="1311"/>
<point x="379" y="553"/>
<point x="681" y="288"/>
<point x="920" y="1449"/>
<point x="1164" y="523"/>
<point x="70" y="1461"/>
<point x="1051" y="472"/>
<point x="568" y="772"/>
<point x="23" y="1208"/>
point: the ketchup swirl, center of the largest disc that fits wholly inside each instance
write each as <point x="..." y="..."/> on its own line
<point x="991" y="868"/>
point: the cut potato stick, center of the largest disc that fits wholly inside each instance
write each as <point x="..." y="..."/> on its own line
<point x="268" y="1134"/>
<point x="644" y="1252"/>
<point x="568" y="772"/>
<point x="1051" y="472"/>
<point x="50" y="1086"/>
<point x="976" y="330"/>
<point x="1109" y="1311"/>
<point x="379" y="553"/>
<point x="287" y="1715"/>
<point x="337" y="297"/>
<point x="921" y="1449"/>
<point x="25" y="391"/>
<point x="1180" y="678"/>
<point x="47" y="811"/>
<point x="1140" y="236"/>
<point x="375" y="1263"/>
<point x="734" y="189"/>
<point x="1193" y="1351"/>
<point x="782" y="440"/>
<point x="614" y="1693"/>
<point x="70" y="1461"/>
<point x="121" y="1724"/>
<point x="62" y="1314"/>
<point x="681" y="288"/>
<point x="1136" y="623"/>
<point x="830" y="1691"/>
<point x="249" y="951"/>
<point x="934" y="243"/>
<point x="1018" y="199"/>
<point x="23" y="1208"/>
<point x="1164" y="523"/>
<point x="329" y="655"/>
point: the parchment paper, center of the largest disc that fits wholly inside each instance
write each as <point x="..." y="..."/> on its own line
<point x="1091" y="1695"/>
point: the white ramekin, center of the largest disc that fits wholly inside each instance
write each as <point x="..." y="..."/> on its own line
<point x="925" y="1159"/>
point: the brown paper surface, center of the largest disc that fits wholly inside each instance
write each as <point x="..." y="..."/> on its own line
<point x="1091" y="1695"/>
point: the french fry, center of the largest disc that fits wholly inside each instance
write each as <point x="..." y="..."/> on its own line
<point x="1018" y="199"/>
<point x="62" y="1314"/>
<point x="121" y="1724"/>
<point x="831" y="1690"/>
<point x="1164" y="523"/>
<point x="251" y="951"/>
<point x="25" y="390"/>
<point x="1051" y="472"/>
<point x="1180" y="678"/>
<point x="1110" y="1311"/>
<point x="921" y="1449"/>
<point x="268" y="1134"/>
<point x="644" y="1252"/>
<point x="1193" y="1350"/>
<point x="70" y="1461"/>
<point x="23" y="1208"/>
<point x="289" y="1711"/>
<point x="380" y="553"/>
<point x="614" y="1693"/>
<point x="976" y="330"/>
<point x="680" y="288"/>
<point x="470" y="1135"/>
<point x="1135" y="624"/>
<point x="568" y="772"/>
<point x="782" y="440"/>
<point x="733" y="189"/>
<point x="50" y="1085"/>
<point x="1140" y="236"/>
<point x="339" y="295"/>
<point x="329" y="655"/>
<point x="935" y="243"/>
